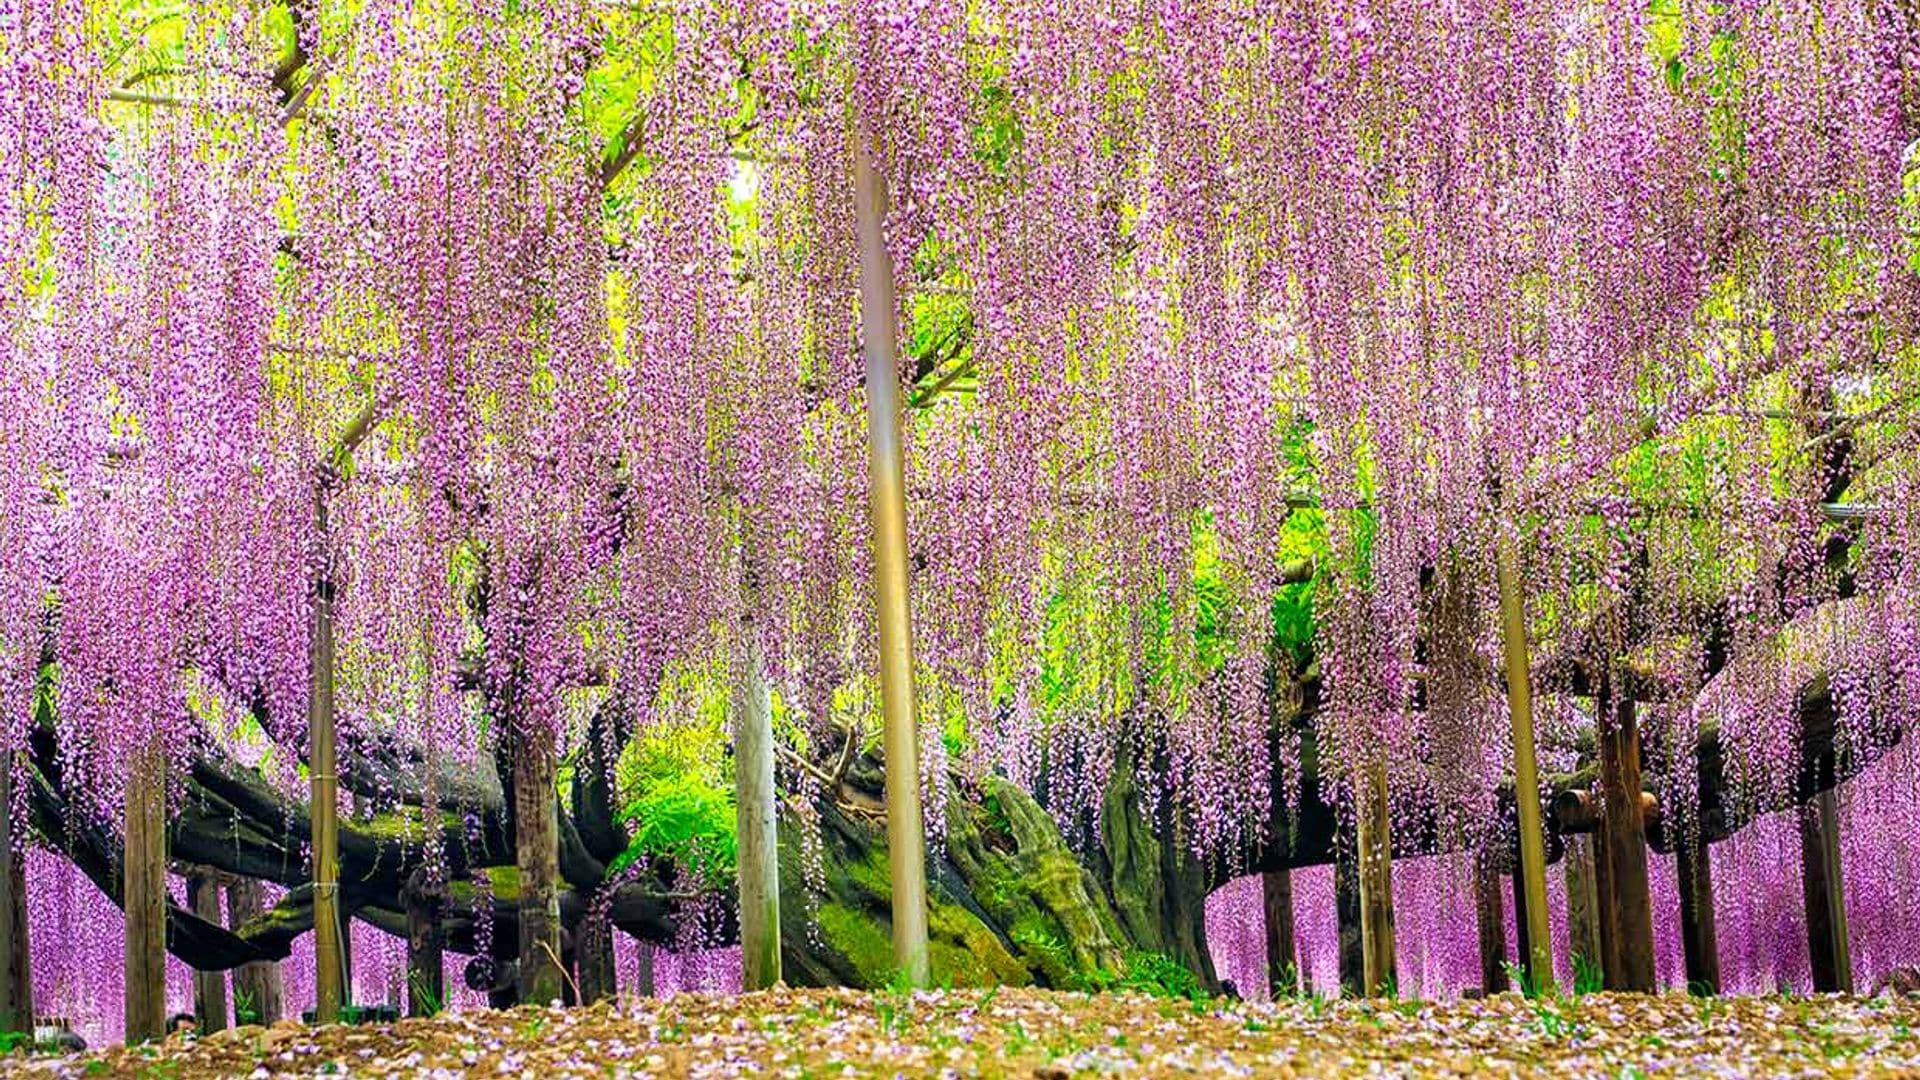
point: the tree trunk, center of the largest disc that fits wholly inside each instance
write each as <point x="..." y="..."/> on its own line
<point x="1152" y="884"/>
<point x="144" y="895"/>
<point x="16" y="959"/>
<point x="258" y="993"/>
<point x="1283" y="963"/>
<point x="209" y="987"/>
<point x="537" y="850"/>
<point x="1010" y="903"/>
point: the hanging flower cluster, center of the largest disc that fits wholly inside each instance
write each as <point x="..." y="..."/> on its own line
<point x="1631" y="284"/>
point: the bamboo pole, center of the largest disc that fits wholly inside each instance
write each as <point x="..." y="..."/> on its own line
<point x="905" y="838"/>
<point x="329" y="938"/>
<point x="329" y="991"/>
<point x="906" y="844"/>
<point x="758" y="859"/>
<point x="1532" y="871"/>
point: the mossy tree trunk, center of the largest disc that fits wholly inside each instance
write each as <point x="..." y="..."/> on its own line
<point x="1010" y="902"/>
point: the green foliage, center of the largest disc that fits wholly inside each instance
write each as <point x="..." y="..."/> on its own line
<point x="1551" y="1021"/>
<point x="245" y="1009"/>
<point x="1303" y="537"/>
<point x="893" y="1005"/>
<point x="683" y="817"/>
<point x="15" y="1040"/>
<point x="431" y="1001"/>
<point x="1587" y="977"/>
<point x="1150" y="973"/>
<point x="997" y="135"/>
<point x="1521" y="981"/>
<point x="1290" y="984"/>
<point x="678" y="798"/>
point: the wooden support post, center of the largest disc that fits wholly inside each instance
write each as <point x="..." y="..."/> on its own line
<point x="593" y="956"/>
<point x="1583" y="903"/>
<point x="1627" y="911"/>
<point x="1492" y="918"/>
<point x="758" y="860"/>
<point x="1376" y="883"/>
<point x="1346" y="906"/>
<point x="1605" y="925"/>
<point x="1825" y="892"/>
<point x="144" y="896"/>
<point x="1699" y="935"/>
<point x="536" y="825"/>
<point x="258" y="992"/>
<point x="643" y="970"/>
<point x="1530" y="874"/>
<point x="1523" y="932"/>
<point x="426" y="958"/>
<point x="209" y="987"/>
<point x="501" y="969"/>
<point x="16" y="959"/>
<point x="879" y="332"/>
<point x="1284" y="977"/>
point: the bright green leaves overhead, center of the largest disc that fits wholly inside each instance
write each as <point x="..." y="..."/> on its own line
<point x="1303" y="537"/>
<point x="637" y="47"/>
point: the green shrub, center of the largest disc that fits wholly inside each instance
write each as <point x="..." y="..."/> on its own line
<point x="678" y="801"/>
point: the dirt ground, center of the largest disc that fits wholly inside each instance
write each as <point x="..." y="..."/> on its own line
<point x="1044" y="1035"/>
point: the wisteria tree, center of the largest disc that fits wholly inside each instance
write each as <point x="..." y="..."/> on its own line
<point x="484" y="379"/>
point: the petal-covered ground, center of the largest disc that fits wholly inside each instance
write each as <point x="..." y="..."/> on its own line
<point x="1046" y="1035"/>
